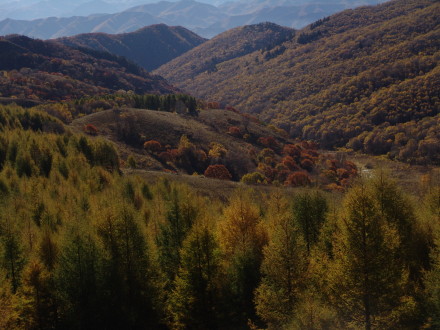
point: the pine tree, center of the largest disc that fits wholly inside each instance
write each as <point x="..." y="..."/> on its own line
<point x="78" y="278"/>
<point x="37" y="304"/>
<point x="128" y="277"/>
<point x="242" y="238"/>
<point x="180" y="218"/>
<point x="366" y="281"/>
<point x="432" y="277"/>
<point x="192" y="303"/>
<point x="283" y="269"/>
<point x="12" y="258"/>
<point x="309" y="211"/>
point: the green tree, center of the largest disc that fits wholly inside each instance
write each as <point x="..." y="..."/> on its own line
<point x="179" y="220"/>
<point x="192" y="303"/>
<point x="128" y="276"/>
<point x="283" y="269"/>
<point x="79" y="278"/>
<point x="366" y="280"/>
<point x="309" y="211"/>
<point x="37" y="304"/>
<point x="242" y="238"/>
<point x="12" y="254"/>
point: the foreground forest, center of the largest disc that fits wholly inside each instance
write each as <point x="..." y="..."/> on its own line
<point x="83" y="246"/>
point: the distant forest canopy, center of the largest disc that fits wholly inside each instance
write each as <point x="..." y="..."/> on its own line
<point x="364" y="79"/>
<point x="82" y="246"/>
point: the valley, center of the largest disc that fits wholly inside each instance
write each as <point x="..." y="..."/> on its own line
<point x="282" y="174"/>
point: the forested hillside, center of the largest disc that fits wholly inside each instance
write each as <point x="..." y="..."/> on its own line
<point x="45" y="70"/>
<point x="235" y="43"/>
<point x="83" y="246"/>
<point x="366" y="79"/>
<point x="149" y="47"/>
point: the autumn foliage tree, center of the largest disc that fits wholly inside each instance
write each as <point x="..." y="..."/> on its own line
<point x="152" y="146"/>
<point x="91" y="129"/>
<point x="218" y="172"/>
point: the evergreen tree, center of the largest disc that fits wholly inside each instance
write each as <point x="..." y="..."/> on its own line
<point x="192" y="303"/>
<point x="432" y="277"/>
<point x="12" y="259"/>
<point x="128" y="277"/>
<point x="37" y="304"/>
<point x="309" y="211"/>
<point x="242" y="238"/>
<point x="367" y="281"/>
<point x="179" y="220"/>
<point x="283" y="269"/>
<point x="79" y="277"/>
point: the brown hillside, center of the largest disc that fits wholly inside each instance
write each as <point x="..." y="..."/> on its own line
<point x="45" y="70"/>
<point x="224" y="47"/>
<point x="168" y="128"/>
<point x="366" y="79"/>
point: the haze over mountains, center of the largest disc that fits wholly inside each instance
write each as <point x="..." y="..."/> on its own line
<point x="205" y="19"/>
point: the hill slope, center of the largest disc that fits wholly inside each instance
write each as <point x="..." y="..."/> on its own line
<point x="150" y="47"/>
<point x="224" y="47"/>
<point x="365" y="78"/>
<point x="36" y="69"/>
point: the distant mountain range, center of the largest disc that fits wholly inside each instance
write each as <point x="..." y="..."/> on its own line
<point x="367" y="79"/>
<point x="149" y="47"/>
<point x="35" y="9"/>
<point x="204" y="19"/>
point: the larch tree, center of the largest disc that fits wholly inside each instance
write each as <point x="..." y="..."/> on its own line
<point x="309" y="210"/>
<point x="128" y="275"/>
<point x="366" y="280"/>
<point x="283" y="268"/>
<point x="432" y="277"/>
<point x="242" y="238"/>
<point x="192" y="303"/>
<point x="78" y="278"/>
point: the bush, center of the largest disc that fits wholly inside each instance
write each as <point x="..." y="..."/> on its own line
<point x="253" y="178"/>
<point x="90" y="129"/>
<point x="218" y="172"/>
<point x="152" y="146"/>
<point x="298" y="179"/>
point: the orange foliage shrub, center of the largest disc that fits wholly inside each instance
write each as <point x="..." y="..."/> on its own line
<point x="269" y="142"/>
<point x="234" y="131"/>
<point x="166" y="156"/>
<point x="292" y="150"/>
<point x="213" y="105"/>
<point x="218" y="172"/>
<point x="298" y="179"/>
<point x="152" y="146"/>
<point x="290" y="163"/>
<point x="90" y="129"/>
<point x="307" y="164"/>
<point x="342" y="173"/>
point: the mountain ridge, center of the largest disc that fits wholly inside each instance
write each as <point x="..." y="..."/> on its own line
<point x="204" y="19"/>
<point x="149" y="47"/>
<point x="46" y="70"/>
